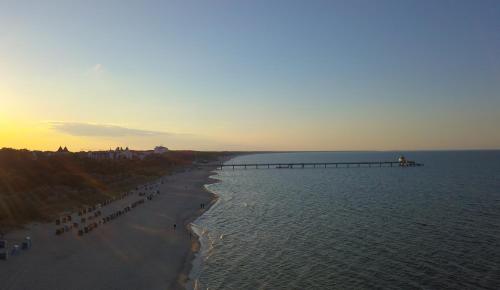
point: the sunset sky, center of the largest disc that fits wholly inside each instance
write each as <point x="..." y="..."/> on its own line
<point x="250" y="75"/>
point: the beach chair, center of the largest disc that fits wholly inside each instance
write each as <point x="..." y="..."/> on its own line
<point x="58" y="222"/>
<point x="26" y="245"/>
<point x="15" y="250"/>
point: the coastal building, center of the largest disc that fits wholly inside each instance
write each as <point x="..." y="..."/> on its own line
<point x="98" y="155"/>
<point x="121" y="153"/>
<point x="62" y="150"/>
<point x="160" y="150"/>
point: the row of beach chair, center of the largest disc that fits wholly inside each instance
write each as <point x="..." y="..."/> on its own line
<point x="89" y="216"/>
<point x="109" y="218"/>
<point x="16" y="248"/>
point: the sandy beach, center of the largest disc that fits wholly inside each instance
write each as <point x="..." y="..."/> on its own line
<point x="137" y="250"/>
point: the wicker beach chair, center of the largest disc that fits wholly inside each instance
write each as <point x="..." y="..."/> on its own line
<point x="26" y="245"/>
<point x="15" y="250"/>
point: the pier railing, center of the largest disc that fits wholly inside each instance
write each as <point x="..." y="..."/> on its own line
<point x="292" y="165"/>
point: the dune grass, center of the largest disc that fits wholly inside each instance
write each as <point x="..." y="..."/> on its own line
<point x="42" y="188"/>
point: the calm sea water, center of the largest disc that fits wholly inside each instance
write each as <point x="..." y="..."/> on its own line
<point x="432" y="227"/>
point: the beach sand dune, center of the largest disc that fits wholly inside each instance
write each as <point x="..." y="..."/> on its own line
<point x="139" y="250"/>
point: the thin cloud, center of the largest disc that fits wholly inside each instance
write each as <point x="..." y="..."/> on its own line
<point x="102" y="130"/>
<point x="96" y="70"/>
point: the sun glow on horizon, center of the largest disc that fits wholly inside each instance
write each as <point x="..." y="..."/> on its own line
<point x="209" y="77"/>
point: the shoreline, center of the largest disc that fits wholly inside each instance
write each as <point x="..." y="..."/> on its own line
<point x="137" y="250"/>
<point x="183" y="275"/>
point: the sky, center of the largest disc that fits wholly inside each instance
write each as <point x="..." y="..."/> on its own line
<point x="250" y="75"/>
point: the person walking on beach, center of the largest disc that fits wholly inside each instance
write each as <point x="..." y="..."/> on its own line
<point x="175" y="226"/>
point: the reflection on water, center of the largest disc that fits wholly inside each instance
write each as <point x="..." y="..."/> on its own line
<point x="430" y="227"/>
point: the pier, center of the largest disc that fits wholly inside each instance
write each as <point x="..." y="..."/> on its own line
<point x="292" y="165"/>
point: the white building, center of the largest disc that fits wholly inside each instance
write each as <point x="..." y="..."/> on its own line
<point x="160" y="150"/>
<point x="120" y="153"/>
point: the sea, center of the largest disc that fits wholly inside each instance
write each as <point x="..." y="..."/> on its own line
<point x="430" y="227"/>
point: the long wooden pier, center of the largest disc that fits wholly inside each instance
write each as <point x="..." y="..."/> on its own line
<point x="292" y="165"/>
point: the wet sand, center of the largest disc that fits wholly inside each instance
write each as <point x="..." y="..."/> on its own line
<point x="138" y="250"/>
